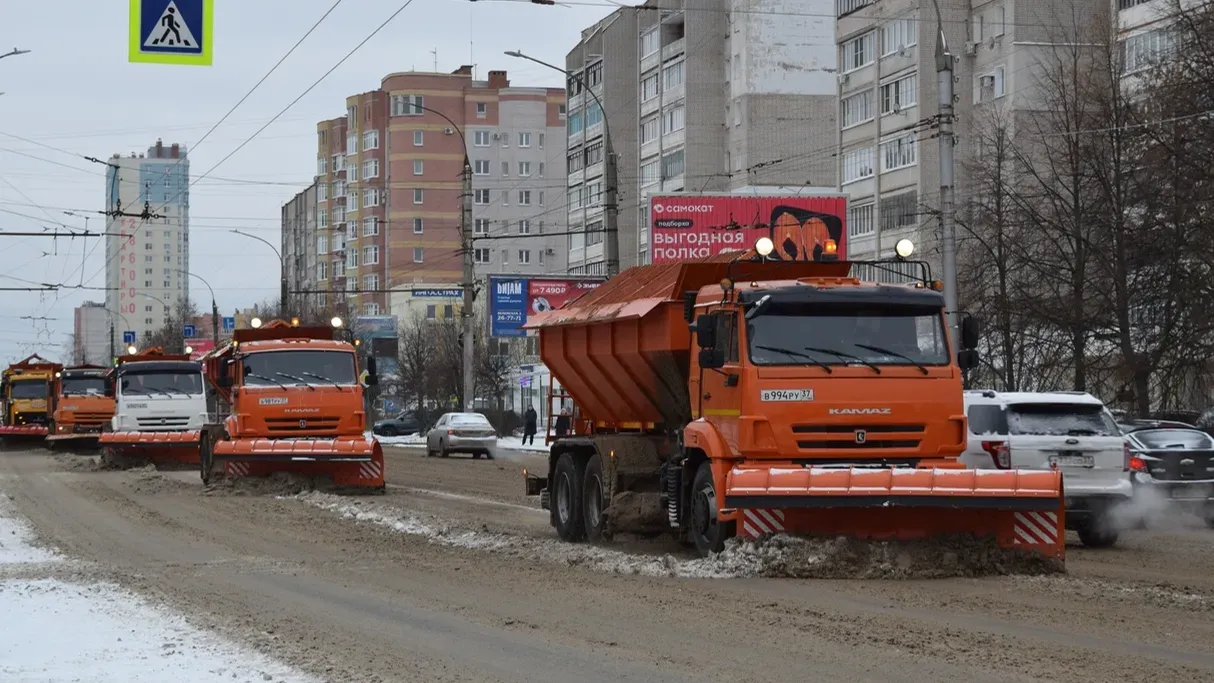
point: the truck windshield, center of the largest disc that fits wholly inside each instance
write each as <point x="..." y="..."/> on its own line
<point x="84" y="386"/>
<point x="794" y="334"/>
<point x="278" y="368"/>
<point x="28" y="389"/>
<point x="171" y="382"/>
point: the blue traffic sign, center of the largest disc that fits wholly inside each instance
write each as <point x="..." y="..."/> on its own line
<point x="189" y="331"/>
<point x="128" y="337"/>
<point x="171" y="31"/>
<point x="229" y="323"/>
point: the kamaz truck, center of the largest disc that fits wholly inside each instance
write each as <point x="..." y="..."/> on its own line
<point x="82" y="405"/>
<point x="161" y="408"/>
<point x="25" y="390"/>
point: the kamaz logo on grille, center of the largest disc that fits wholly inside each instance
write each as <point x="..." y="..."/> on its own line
<point x="860" y="411"/>
<point x="861" y="436"/>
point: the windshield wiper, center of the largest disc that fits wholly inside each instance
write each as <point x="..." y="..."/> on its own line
<point x="895" y="354"/>
<point x="841" y="354"/>
<point x="268" y="379"/>
<point x="321" y="378"/>
<point x="796" y="354"/>
<point x="301" y="380"/>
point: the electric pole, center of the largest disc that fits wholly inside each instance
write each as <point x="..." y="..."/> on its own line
<point x="948" y="228"/>
<point x="469" y="284"/>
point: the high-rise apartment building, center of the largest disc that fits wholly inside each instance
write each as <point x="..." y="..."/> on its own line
<point x="1144" y="31"/>
<point x="299" y="242"/>
<point x="389" y="185"/>
<point x="91" y="334"/>
<point x="699" y="95"/>
<point x="147" y="261"/>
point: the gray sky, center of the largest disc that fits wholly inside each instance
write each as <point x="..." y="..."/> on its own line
<point x="77" y="92"/>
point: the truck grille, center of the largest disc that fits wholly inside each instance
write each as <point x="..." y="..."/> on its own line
<point x="153" y="424"/>
<point x="306" y="425"/>
<point x="90" y="420"/>
<point x="858" y="436"/>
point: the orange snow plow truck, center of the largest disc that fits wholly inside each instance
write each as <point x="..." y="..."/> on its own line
<point x="25" y="388"/>
<point x="291" y="401"/>
<point x="741" y="396"/>
<point x="82" y="405"/>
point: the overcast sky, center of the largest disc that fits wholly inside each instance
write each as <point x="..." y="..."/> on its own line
<point x="77" y="92"/>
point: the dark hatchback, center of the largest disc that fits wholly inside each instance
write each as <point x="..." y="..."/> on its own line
<point x="1173" y="462"/>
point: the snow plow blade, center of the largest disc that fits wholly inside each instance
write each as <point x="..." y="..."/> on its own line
<point x="351" y="462"/>
<point x="150" y="439"/>
<point x="161" y="448"/>
<point x="1023" y="509"/>
<point x="23" y="430"/>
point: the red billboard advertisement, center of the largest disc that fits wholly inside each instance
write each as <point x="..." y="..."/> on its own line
<point x="200" y="347"/>
<point x="514" y="299"/>
<point x="690" y="226"/>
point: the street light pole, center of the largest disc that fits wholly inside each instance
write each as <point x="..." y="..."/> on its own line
<point x="214" y="306"/>
<point x="283" y="294"/>
<point x="611" y="241"/>
<point x="14" y="52"/>
<point x="948" y="229"/>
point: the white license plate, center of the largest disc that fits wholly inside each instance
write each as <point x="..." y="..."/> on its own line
<point x="786" y="395"/>
<point x="1073" y="460"/>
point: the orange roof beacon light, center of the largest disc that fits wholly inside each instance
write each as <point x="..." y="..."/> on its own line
<point x="830" y="250"/>
<point x="295" y="322"/>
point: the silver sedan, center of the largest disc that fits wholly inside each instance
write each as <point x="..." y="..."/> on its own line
<point x="462" y="433"/>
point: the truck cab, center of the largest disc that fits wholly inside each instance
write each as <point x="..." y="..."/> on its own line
<point x="83" y="403"/>
<point x="26" y="392"/>
<point x="158" y="394"/>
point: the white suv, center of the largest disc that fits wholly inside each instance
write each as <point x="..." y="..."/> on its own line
<point x="1071" y="431"/>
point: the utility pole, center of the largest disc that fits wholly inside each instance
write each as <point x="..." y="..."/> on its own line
<point x="215" y="322"/>
<point x="948" y="227"/>
<point x="113" y="351"/>
<point x="469" y="284"/>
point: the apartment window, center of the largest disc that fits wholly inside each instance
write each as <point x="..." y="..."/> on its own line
<point x="505" y="256"/>
<point x="480" y="138"/>
<point x="649" y="129"/>
<point x="322" y="219"/>
<point x="849" y="6"/>
<point x="673" y="119"/>
<point x="371" y="197"/>
<point x="860" y="220"/>
<point x="898" y="35"/>
<point x="524" y="257"/>
<point x="649" y="87"/>
<point x="1145" y="50"/>
<point x="352" y="258"/>
<point x="858" y="52"/>
<point x="371" y="139"/>
<point x="524" y="227"/>
<point x="594" y="74"/>
<point x="480" y="226"/>
<point x="649" y="171"/>
<point x="352" y="173"/>
<point x="352" y="201"/>
<point x="900" y="212"/>
<point x="370" y="282"/>
<point x="480" y="255"/>
<point x="481" y="196"/>
<point x="594" y="116"/>
<point x="561" y="110"/>
<point x="419" y="226"/>
<point x="898" y="95"/>
<point x="351" y="144"/>
<point x="322" y="271"/>
<point x="505" y="168"/>
<point x="541" y="140"/>
<point x="418" y="254"/>
<point x="524" y="168"/>
<point x="574" y="123"/>
<point x="370" y="226"/>
<point x="524" y="197"/>
<point x="541" y="202"/>
<point x="419" y="167"/>
<point x="371" y="168"/>
<point x="505" y="137"/>
<point x="991" y="85"/>
<point x="898" y="153"/>
<point x="524" y="139"/>
<point x="354" y="230"/>
<point x="419" y="138"/>
<point x="650" y="42"/>
<point x="339" y="163"/>
<point x="857" y="164"/>
<point x="857" y="108"/>
<point x="419" y="195"/>
<point x="482" y="110"/>
<point x="672" y="165"/>
<point x="672" y="75"/>
<point x="480" y="167"/>
<point x="541" y="174"/>
<point x="407" y="105"/>
<point x="167" y="258"/>
<point x="322" y="165"/>
<point x="370" y="255"/>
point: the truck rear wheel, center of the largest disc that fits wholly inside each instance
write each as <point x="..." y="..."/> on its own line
<point x="594" y="509"/>
<point x="567" y="499"/>
<point x="706" y="531"/>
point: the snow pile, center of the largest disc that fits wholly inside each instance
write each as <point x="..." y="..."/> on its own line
<point x="104" y="634"/>
<point x="411" y="440"/>
<point x="515" y="443"/>
<point x="778" y="556"/>
<point x="16" y="543"/>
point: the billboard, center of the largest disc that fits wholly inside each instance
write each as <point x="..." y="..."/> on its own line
<point x="200" y="347"/>
<point x="691" y="226"/>
<point x="514" y="299"/>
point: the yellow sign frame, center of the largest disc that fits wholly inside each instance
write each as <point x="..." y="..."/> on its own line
<point x="135" y="53"/>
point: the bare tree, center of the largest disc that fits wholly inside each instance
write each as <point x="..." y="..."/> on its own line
<point x="171" y="335"/>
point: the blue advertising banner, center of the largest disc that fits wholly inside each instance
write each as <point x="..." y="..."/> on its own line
<point x="507" y="306"/>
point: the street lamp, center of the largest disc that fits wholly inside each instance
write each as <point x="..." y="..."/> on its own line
<point x="611" y="242"/>
<point x="15" y="51"/>
<point x="282" y="265"/>
<point x="214" y="306"/>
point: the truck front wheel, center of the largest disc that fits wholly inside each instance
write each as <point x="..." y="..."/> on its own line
<point x="567" y="502"/>
<point x="706" y="531"/>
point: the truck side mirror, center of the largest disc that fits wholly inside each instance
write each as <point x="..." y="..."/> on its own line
<point x="967" y="359"/>
<point x="712" y="358"/>
<point x="970" y="332"/>
<point x="372" y="371"/>
<point x="705" y="328"/>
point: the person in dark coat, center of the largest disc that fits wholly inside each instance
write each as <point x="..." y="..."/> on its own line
<point x="562" y="423"/>
<point x="529" y="420"/>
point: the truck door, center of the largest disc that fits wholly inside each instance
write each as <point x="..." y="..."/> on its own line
<point x="720" y="391"/>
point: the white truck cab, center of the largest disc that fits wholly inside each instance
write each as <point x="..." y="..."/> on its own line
<point x="1072" y="431"/>
<point x="159" y="396"/>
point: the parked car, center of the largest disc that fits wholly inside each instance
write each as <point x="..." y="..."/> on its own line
<point x="403" y="424"/>
<point x="1072" y="431"/>
<point x="462" y="433"/>
<point x="1172" y="468"/>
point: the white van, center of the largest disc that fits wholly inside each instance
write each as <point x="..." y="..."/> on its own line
<point x="1069" y="430"/>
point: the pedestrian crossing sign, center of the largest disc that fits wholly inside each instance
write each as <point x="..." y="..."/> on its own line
<point x="172" y="31"/>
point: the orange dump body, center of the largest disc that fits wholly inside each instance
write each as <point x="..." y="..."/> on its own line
<point x="795" y="446"/>
<point x="83" y="404"/>
<point x="291" y="419"/>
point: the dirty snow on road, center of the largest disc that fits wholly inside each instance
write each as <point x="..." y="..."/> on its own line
<point x="55" y="631"/>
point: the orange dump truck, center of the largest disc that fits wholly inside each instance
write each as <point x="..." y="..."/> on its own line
<point x="82" y="405"/>
<point x="740" y="396"/>
<point x="291" y="401"/>
<point x="160" y="409"/>
<point x="25" y="389"/>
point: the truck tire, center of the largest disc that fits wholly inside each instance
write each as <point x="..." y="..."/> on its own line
<point x="707" y="534"/>
<point x="567" y="499"/>
<point x="594" y="508"/>
<point x="1098" y="534"/>
<point x="205" y="465"/>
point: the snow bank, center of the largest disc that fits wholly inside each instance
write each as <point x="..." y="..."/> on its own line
<point x="16" y="542"/>
<point x="58" y="631"/>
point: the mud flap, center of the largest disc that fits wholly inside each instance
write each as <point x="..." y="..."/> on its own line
<point x="355" y="463"/>
<point x="1021" y="509"/>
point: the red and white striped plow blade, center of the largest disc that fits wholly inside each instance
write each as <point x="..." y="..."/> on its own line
<point x="22" y="430"/>
<point x="152" y="439"/>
